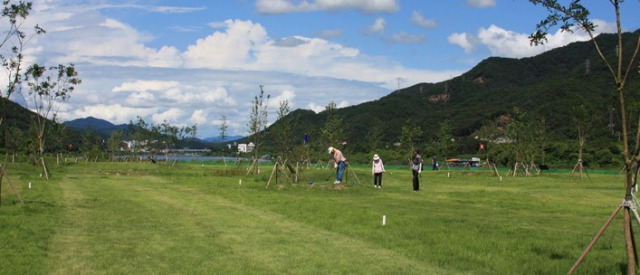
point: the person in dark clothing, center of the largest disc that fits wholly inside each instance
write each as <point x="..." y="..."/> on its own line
<point x="434" y="163"/>
<point x="416" y="168"/>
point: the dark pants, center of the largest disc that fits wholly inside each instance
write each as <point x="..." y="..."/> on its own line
<point x="377" y="179"/>
<point x="416" y="181"/>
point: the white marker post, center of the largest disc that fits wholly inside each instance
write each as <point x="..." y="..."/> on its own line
<point x="384" y="219"/>
<point x="240" y="182"/>
<point x="29" y="185"/>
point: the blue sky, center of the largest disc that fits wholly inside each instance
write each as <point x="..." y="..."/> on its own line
<point x="191" y="62"/>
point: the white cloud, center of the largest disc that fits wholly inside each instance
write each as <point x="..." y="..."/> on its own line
<point x="115" y="113"/>
<point x="200" y="117"/>
<point x="463" y="40"/>
<point x="142" y="99"/>
<point x="230" y="49"/>
<point x="218" y="96"/>
<point x="418" y="19"/>
<point x="172" y="115"/>
<point x="315" y="107"/>
<point x="288" y="6"/>
<point x="288" y="95"/>
<point x="377" y="26"/>
<point x="507" y="43"/>
<point x="146" y="85"/>
<point x="482" y="3"/>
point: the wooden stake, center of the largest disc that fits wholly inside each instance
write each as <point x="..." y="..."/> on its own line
<point x="4" y="175"/>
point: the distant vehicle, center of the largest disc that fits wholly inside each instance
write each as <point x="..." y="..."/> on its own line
<point x="467" y="163"/>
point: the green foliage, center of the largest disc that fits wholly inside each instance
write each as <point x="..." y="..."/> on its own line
<point x="115" y="142"/>
<point x="333" y="130"/>
<point x="258" y="121"/>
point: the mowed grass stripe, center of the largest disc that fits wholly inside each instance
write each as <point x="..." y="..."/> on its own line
<point x="119" y="224"/>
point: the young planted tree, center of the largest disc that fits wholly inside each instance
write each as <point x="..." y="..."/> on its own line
<point x="139" y="135"/>
<point x="374" y="134"/>
<point x="445" y="141"/>
<point x="13" y="37"/>
<point x="166" y="136"/>
<point x="410" y="136"/>
<point x="576" y="16"/>
<point x="224" y="125"/>
<point x="283" y="133"/>
<point x="257" y="123"/>
<point x="188" y="132"/>
<point x="584" y="123"/>
<point x="333" y="132"/>
<point x="114" y="142"/>
<point x="48" y="87"/>
<point x="90" y="146"/>
<point x="526" y="136"/>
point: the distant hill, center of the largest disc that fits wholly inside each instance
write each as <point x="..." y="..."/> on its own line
<point x="106" y="127"/>
<point x="218" y="139"/>
<point x="90" y="122"/>
<point x="97" y="125"/>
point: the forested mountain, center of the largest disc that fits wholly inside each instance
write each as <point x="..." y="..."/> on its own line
<point x="96" y="124"/>
<point x="549" y="86"/>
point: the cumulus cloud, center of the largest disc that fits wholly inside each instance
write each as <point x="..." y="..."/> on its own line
<point x="115" y="113"/>
<point x="315" y="107"/>
<point x="200" y="117"/>
<point x="502" y="42"/>
<point x="506" y="43"/>
<point x="288" y="95"/>
<point x="232" y="48"/>
<point x="171" y="115"/>
<point x="463" y="40"/>
<point x="418" y="19"/>
<point x="146" y="85"/>
<point x="289" y="6"/>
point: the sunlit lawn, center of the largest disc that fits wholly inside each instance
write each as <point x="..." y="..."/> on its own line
<point x="142" y="218"/>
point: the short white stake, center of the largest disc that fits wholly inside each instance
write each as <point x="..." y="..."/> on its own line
<point x="384" y="219"/>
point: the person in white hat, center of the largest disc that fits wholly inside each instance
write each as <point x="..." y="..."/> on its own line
<point x="377" y="168"/>
<point x="339" y="163"/>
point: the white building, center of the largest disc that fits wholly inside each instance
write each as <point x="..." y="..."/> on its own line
<point x="246" y="148"/>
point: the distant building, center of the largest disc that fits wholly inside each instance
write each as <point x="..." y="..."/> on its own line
<point x="246" y="148"/>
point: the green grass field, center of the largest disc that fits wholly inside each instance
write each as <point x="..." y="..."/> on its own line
<point x="142" y="218"/>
